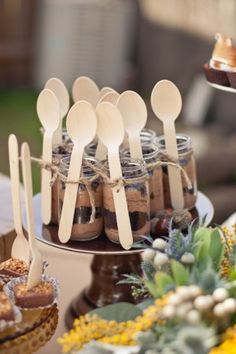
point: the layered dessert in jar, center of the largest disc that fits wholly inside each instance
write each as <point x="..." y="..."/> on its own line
<point x="88" y="219"/>
<point x="221" y="68"/>
<point x="152" y="158"/>
<point x="58" y="153"/>
<point x="137" y="196"/>
<point x="188" y="164"/>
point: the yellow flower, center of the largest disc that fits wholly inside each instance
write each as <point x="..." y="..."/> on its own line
<point x="87" y="328"/>
<point x="228" y="346"/>
<point x="230" y="240"/>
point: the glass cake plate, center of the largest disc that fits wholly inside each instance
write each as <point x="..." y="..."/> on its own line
<point x="222" y="88"/>
<point x="101" y="245"/>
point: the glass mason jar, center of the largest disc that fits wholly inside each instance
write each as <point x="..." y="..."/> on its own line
<point x="147" y="136"/>
<point x="84" y="228"/>
<point x="58" y="152"/>
<point x="187" y="162"/>
<point x="137" y="196"/>
<point x="152" y="157"/>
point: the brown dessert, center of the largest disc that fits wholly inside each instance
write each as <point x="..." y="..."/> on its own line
<point x="151" y="156"/>
<point x="13" y="267"/>
<point x="187" y="162"/>
<point x="222" y="62"/>
<point x="6" y="308"/>
<point x="137" y="196"/>
<point x="40" y="295"/>
<point x="83" y="228"/>
<point x="59" y="152"/>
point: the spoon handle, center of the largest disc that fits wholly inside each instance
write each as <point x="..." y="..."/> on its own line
<point x="175" y="181"/>
<point x="57" y="135"/>
<point x="101" y="151"/>
<point x="120" y="202"/>
<point x="135" y="146"/>
<point x="27" y="179"/>
<point x="70" y="196"/>
<point x="46" y="178"/>
<point x="15" y="182"/>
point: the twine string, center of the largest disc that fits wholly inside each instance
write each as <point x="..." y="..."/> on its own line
<point x="100" y="173"/>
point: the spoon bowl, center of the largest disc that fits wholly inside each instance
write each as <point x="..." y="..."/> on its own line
<point x="60" y="90"/>
<point x="85" y="89"/>
<point x="134" y="114"/>
<point x="164" y="93"/>
<point x="110" y="121"/>
<point x="48" y="110"/>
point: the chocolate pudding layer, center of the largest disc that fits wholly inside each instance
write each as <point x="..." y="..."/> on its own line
<point x="84" y="228"/>
<point x="152" y="157"/>
<point x="59" y="152"/>
<point x="137" y="196"/>
<point x="187" y="162"/>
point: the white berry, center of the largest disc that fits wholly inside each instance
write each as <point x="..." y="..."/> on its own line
<point x="168" y="311"/>
<point x="194" y="291"/>
<point x="219" y="310"/>
<point x="220" y="294"/>
<point x="160" y="244"/>
<point x="229" y="305"/>
<point x="193" y="317"/>
<point x="203" y="303"/>
<point x="187" y="258"/>
<point x="183" y="309"/>
<point x="160" y="259"/>
<point x="174" y="299"/>
<point x="183" y="292"/>
<point x="148" y="255"/>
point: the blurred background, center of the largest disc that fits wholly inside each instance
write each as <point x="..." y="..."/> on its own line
<point x="125" y="44"/>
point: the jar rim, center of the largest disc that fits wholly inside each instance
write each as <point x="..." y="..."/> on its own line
<point x="184" y="141"/>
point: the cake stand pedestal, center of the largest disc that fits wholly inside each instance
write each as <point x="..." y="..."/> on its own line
<point x="110" y="262"/>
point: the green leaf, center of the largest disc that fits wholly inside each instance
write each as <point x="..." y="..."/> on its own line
<point x="122" y="311"/>
<point x="164" y="282"/>
<point x="153" y="289"/>
<point x="216" y="248"/>
<point x="144" y="304"/>
<point x="180" y="273"/>
<point x="202" y="239"/>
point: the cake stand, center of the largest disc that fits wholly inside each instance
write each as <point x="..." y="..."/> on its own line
<point x="31" y="334"/>
<point x="109" y="263"/>
<point x="222" y="88"/>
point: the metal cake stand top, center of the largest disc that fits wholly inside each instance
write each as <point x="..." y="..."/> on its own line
<point x="101" y="245"/>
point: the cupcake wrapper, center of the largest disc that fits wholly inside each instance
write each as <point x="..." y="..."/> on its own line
<point x="232" y="79"/>
<point x="18" y="318"/>
<point x="216" y="76"/>
<point x="8" y="288"/>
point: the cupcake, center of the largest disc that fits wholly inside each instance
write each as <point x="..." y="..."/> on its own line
<point x="12" y="268"/>
<point x="42" y="295"/>
<point x="222" y="63"/>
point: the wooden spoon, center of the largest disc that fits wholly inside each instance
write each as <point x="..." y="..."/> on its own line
<point x="20" y="247"/>
<point x="85" y="89"/>
<point x="105" y="90"/>
<point x="166" y="104"/>
<point x="101" y="151"/>
<point x="134" y="114"/>
<point x="36" y="266"/>
<point x="49" y="115"/>
<point x="110" y="121"/>
<point x="60" y="90"/>
<point x="81" y="126"/>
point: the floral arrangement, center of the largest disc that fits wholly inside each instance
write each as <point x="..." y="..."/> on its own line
<point x="189" y="282"/>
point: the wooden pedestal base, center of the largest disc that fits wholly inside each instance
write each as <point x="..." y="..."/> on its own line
<point x="107" y="270"/>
